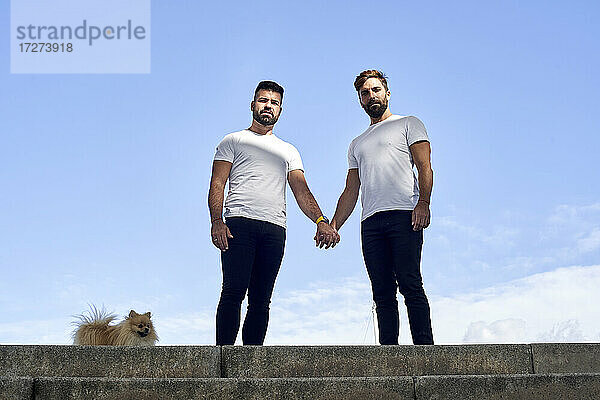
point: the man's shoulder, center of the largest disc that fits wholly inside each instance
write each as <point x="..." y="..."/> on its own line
<point x="233" y="137"/>
<point x="402" y="122"/>
<point x="394" y="123"/>
<point x="359" y="138"/>
<point x="235" y="134"/>
<point x="392" y="120"/>
<point x="395" y="119"/>
<point x="284" y="143"/>
<point x="411" y="119"/>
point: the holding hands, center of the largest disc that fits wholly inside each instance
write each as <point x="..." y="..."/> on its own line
<point x="326" y="235"/>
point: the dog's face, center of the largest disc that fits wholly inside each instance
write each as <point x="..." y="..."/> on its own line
<point x="140" y="324"/>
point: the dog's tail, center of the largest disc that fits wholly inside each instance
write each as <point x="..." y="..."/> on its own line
<point x="90" y="326"/>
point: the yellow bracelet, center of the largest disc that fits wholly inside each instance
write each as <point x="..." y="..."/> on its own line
<point x="321" y="218"/>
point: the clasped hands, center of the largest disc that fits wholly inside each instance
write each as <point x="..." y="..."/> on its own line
<point x="326" y="235"/>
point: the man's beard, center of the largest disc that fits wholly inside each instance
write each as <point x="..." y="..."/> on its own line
<point x="376" y="112"/>
<point x="264" y="119"/>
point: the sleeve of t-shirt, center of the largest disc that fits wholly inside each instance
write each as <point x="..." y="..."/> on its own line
<point x="415" y="131"/>
<point x="294" y="161"/>
<point x="225" y="149"/>
<point x="352" y="161"/>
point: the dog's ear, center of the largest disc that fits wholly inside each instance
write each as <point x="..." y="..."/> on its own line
<point x="148" y="314"/>
<point x="132" y="314"/>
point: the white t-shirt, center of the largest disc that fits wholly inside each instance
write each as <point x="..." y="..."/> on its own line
<point x="385" y="164"/>
<point x="257" y="181"/>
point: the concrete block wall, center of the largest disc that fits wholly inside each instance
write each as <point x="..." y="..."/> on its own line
<point x="525" y="371"/>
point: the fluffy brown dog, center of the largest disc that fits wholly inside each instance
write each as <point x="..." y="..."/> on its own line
<point x="95" y="330"/>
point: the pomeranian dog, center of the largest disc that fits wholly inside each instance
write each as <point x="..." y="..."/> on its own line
<point x="95" y="329"/>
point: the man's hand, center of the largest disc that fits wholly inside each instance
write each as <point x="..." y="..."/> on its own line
<point x="326" y="236"/>
<point x="219" y="233"/>
<point x="421" y="216"/>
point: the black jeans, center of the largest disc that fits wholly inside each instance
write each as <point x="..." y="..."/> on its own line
<point x="250" y="264"/>
<point x="392" y="253"/>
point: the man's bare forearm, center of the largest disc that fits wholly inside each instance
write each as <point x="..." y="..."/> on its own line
<point x="425" y="184"/>
<point x="215" y="200"/>
<point x="307" y="203"/>
<point x="218" y="180"/>
<point x="344" y="208"/>
<point x="347" y="200"/>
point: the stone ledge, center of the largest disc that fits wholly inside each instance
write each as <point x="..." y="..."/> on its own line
<point x="566" y="357"/>
<point x="313" y="361"/>
<point x="474" y="387"/>
<point x="110" y="361"/>
<point x="225" y="389"/>
<point x="296" y="361"/>
<point x="522" y="387"/>
<point x="16" y="388"/>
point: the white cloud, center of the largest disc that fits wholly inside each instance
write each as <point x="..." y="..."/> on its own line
<point x="511" y="330"/>
<point x="329" y="313"/>
<point x="559" y="305"/>
<point x="552" y="306"/>
<point x="463" y="254"/>
<point x="541" y="300"/>
<point x="188" y="329"/>
<point x="43" y="331"/>
<point x="497" y="237"/>
<point x="568" y="214"/>
<point x="565" y="331"/>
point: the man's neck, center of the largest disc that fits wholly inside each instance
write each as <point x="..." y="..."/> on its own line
<point x="385" y="116"/>
<point x="260" y="128"/>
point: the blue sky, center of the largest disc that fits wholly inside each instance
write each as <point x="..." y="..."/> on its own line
<point x="105" y="177"/>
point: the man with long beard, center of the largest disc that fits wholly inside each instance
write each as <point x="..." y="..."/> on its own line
<point x="252" y="237"/>
<point x="395" y="207"/>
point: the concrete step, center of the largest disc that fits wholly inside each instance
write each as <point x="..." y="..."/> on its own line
<point x="332" y="361"/>
<point x="15" y="388"/>
<point x="566" y="357"/>
<point x="111" y="361"/>
<point x="497" y="387"/>
<point x="296" y="361"/>
<point x="222" y="389"/>
<point x="463" y="387"/>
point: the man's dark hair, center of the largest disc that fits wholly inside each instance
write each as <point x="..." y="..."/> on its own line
<point x="370" y="73"/>
<point x="269" y="85"/>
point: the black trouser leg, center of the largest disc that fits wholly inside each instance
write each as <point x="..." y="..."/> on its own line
<point x="249" y="265"/>
<point x="392" y="253"/>
<point x="236" y="264"/>
<point x="383" y="282"/>
<point x="269" y="253"/>
<point x="405" y="245"/>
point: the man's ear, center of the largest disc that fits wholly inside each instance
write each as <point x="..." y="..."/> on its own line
<point x="252" y="105"/>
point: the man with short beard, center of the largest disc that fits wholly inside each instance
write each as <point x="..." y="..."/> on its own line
<point x="395" y="207"/>
<point x="251" y="239"/>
